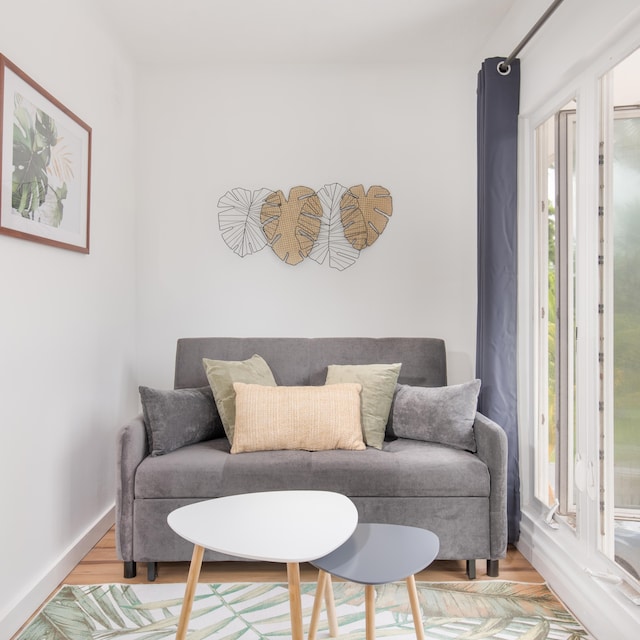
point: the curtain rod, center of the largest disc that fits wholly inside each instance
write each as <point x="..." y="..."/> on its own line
<point x="504" y="67"/>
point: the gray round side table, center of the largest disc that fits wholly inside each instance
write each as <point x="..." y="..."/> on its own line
<point x="375" y="554"/>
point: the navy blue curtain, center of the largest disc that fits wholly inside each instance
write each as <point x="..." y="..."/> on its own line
<point x="498" y="104"/>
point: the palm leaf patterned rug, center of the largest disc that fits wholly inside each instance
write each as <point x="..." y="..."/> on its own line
<point x="464" y="610"/>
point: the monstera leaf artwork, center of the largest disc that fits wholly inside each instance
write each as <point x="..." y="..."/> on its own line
<point x="365" y="215"/>
<point x="332" y="241"/>
<point x="335" y="222"/>
<point x="292" y="226"/>
<point x="33" y="139"/>
<point x="239" y="220"/>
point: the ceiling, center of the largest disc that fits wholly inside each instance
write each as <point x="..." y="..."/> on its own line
<point x="202" y="31"/>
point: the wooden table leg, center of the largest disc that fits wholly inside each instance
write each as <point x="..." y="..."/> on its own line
<point x="190" y="591"/>
<point x="415" y="607"/>
<point x="317" y="604"/>
<point x="295" y="600"/>
<point x="331" y="608"/>
<point x="370" y="610"/>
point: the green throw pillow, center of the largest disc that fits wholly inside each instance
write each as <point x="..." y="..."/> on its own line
<point x="378" y="386"/>
<point x="223" y="373"/>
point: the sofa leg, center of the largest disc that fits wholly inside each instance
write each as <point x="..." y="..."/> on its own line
<point x="471" y="569"/>
<point x="152" y="571"/>
<point x="129" y="569"/>
<point x="493" y="568"/>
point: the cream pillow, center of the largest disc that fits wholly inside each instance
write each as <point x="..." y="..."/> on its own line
<point x="223" y="373"/>
<point x="304" y="418"/>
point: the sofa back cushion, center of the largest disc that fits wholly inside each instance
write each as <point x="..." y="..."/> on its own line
<point x="304" y="361"/>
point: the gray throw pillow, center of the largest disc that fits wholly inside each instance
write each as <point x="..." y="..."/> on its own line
<point x="179" y="417"/>
<point x="437" y="414"/>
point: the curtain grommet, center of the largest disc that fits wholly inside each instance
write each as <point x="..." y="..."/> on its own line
<point x="503" y="69"/>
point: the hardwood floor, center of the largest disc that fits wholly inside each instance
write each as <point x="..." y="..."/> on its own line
<point x="101" y="565"/>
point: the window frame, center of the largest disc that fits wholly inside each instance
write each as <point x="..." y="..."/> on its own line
<point x="560" y="127"/>
<point x="563" y="554"/>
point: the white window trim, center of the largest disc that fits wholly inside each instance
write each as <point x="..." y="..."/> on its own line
<point x="607" y="542"/>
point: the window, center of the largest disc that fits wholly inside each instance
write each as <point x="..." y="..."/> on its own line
<point x="579" y="330"/>
<point x="556" y="154"/>
<point x="610" y="415"/>
<point x="620" y="278"/>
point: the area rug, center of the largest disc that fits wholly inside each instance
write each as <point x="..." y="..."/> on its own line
<point x="463" y="610"/>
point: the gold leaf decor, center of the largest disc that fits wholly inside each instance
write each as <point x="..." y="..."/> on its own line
<point x="334" y="222"/>
<point x="365" y="215"/>
<point x="292" y="226"/>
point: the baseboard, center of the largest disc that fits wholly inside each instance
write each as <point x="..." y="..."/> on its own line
<point x="561" y="561"/>
<point x="28" y="603"/>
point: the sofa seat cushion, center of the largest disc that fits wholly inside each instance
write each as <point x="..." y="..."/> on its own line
<point x="405" y="468"/>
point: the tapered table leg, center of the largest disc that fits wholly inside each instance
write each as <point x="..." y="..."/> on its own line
<point x="295" y="600"/>
<point x="190" y="591"/>
<point x="331" y="608"/>
<point x="317" y="604"/>
<point x="370" y="610"/>
<point x="415" y="607"/>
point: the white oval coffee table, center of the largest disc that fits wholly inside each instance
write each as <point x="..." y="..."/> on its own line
<point x="274" y="526"/>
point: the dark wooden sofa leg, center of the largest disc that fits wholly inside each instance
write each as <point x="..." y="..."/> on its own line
<point x="129" y="570"/>
<point x="152" y="571"/>
<point x="493" y="568"/>
<point x="471" y="569"/>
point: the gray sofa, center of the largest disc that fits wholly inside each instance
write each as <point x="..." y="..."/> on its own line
<point x="459" y="495"/>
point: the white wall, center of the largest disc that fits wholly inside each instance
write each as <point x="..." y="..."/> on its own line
<point x="66" y="327"/>
<point x="204" y="131"/>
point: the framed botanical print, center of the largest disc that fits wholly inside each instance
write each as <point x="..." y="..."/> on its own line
<point x="45" y="165"/>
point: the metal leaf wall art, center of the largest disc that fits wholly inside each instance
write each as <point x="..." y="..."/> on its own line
<point x="335" y="222"/>
<point x="292" y="226"/>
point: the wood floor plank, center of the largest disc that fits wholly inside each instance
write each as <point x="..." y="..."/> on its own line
<point x="101" y="566"/>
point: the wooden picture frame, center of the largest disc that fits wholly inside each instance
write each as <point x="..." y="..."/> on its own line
<point x="45" y="165"/>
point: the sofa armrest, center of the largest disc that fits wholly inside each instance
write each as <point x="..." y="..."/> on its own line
<point x="132" y="449"/>
<point x="491" y="441"/>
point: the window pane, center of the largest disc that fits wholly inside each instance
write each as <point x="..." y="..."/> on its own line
<point x="623" y="281"/>
<point x="555" y="143"/>
<point x="545" y="427"/>
<point x="626" y="206"/>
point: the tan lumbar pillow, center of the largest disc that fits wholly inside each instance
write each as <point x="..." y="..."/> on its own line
<point x="304" y="418"/>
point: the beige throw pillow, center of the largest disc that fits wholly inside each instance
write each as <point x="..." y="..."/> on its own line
<point x="223" y="373"/>
<point x="304" y="418"/>
<point x="378" y="386"/>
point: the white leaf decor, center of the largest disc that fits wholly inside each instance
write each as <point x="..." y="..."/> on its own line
<point x="331" y="240"/>
<point x="335" y="222"/>
<point x="239" y="220"/>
